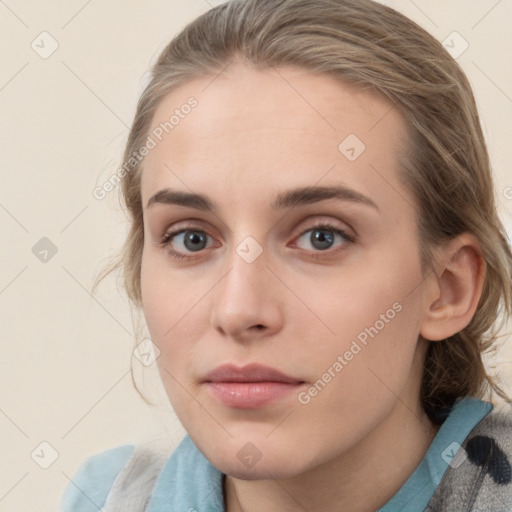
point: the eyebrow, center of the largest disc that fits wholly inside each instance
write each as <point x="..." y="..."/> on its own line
<point x="287" y="199"/>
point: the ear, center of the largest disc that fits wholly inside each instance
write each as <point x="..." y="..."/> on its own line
<point x="454" y="289"/>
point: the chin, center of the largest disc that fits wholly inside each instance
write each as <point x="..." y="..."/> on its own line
<point x="259" y="459"/>
<point x="263" y="470"/>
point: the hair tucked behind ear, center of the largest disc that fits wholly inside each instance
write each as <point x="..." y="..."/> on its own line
<point x="446" y="166"/>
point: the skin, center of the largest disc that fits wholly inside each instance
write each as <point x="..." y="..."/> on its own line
<point x="252" y="135"/>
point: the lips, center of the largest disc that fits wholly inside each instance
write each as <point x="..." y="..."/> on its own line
<point x="249" y="387"/>
<point x="250" y="373"/>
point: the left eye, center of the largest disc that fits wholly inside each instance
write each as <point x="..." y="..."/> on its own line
<point x="323" y="237"/>
<point x="192" y="240"/>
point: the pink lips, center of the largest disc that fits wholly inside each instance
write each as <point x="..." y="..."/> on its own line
<point x="249" y="387"/>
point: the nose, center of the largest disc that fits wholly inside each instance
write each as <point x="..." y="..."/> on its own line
<point x="246" y="302"/>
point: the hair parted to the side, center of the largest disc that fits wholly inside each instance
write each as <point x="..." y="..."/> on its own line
<point x="446" y="166"/>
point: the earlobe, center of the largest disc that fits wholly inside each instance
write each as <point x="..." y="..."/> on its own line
<point x="452" y="299"/>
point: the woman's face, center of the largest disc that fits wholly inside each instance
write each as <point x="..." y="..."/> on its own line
<point x="275" y="241"/>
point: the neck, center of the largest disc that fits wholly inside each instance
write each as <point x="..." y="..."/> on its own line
<point x="360" y="480"/>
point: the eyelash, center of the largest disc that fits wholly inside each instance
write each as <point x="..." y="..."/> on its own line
<point x="170" y="235"/>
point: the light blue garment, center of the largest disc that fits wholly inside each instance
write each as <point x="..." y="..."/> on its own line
<point x="89" y="487"/>
<point x="189" y="483"/>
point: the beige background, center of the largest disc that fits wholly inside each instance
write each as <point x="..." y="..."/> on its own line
<point x="65" y="355"/>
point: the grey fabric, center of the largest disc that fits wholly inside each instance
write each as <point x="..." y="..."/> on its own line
<point x="481" y="478"/>
<point x="132" y="488"/>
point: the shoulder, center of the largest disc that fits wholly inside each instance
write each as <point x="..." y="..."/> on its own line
<point x="489" y="446"/>
<point x="87" y="490"/>
<point x="152" y="474"/>
<point x="497" y="423"/>
<point x="480" y="476"/>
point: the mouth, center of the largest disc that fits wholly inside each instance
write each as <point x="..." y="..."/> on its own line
<point x="249" y="387"/>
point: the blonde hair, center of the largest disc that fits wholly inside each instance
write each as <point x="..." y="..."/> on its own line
<point x="446" y="167"/>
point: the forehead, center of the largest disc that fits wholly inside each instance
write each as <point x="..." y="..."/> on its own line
<point x="271" y="126"/>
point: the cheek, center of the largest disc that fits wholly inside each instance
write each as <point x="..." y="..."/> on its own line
<point x="371" y="316"/>
<point x="369" y="360"/>
<point x="172" y="303"/>
<point x="156" y="298"/>
<point x="357" y="298"/>
<point x="167" y="295"/>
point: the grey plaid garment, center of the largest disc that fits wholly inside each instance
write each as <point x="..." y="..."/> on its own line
<point x="481" y="480"/>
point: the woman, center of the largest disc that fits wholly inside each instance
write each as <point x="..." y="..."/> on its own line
<point x="315" y="248"/>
